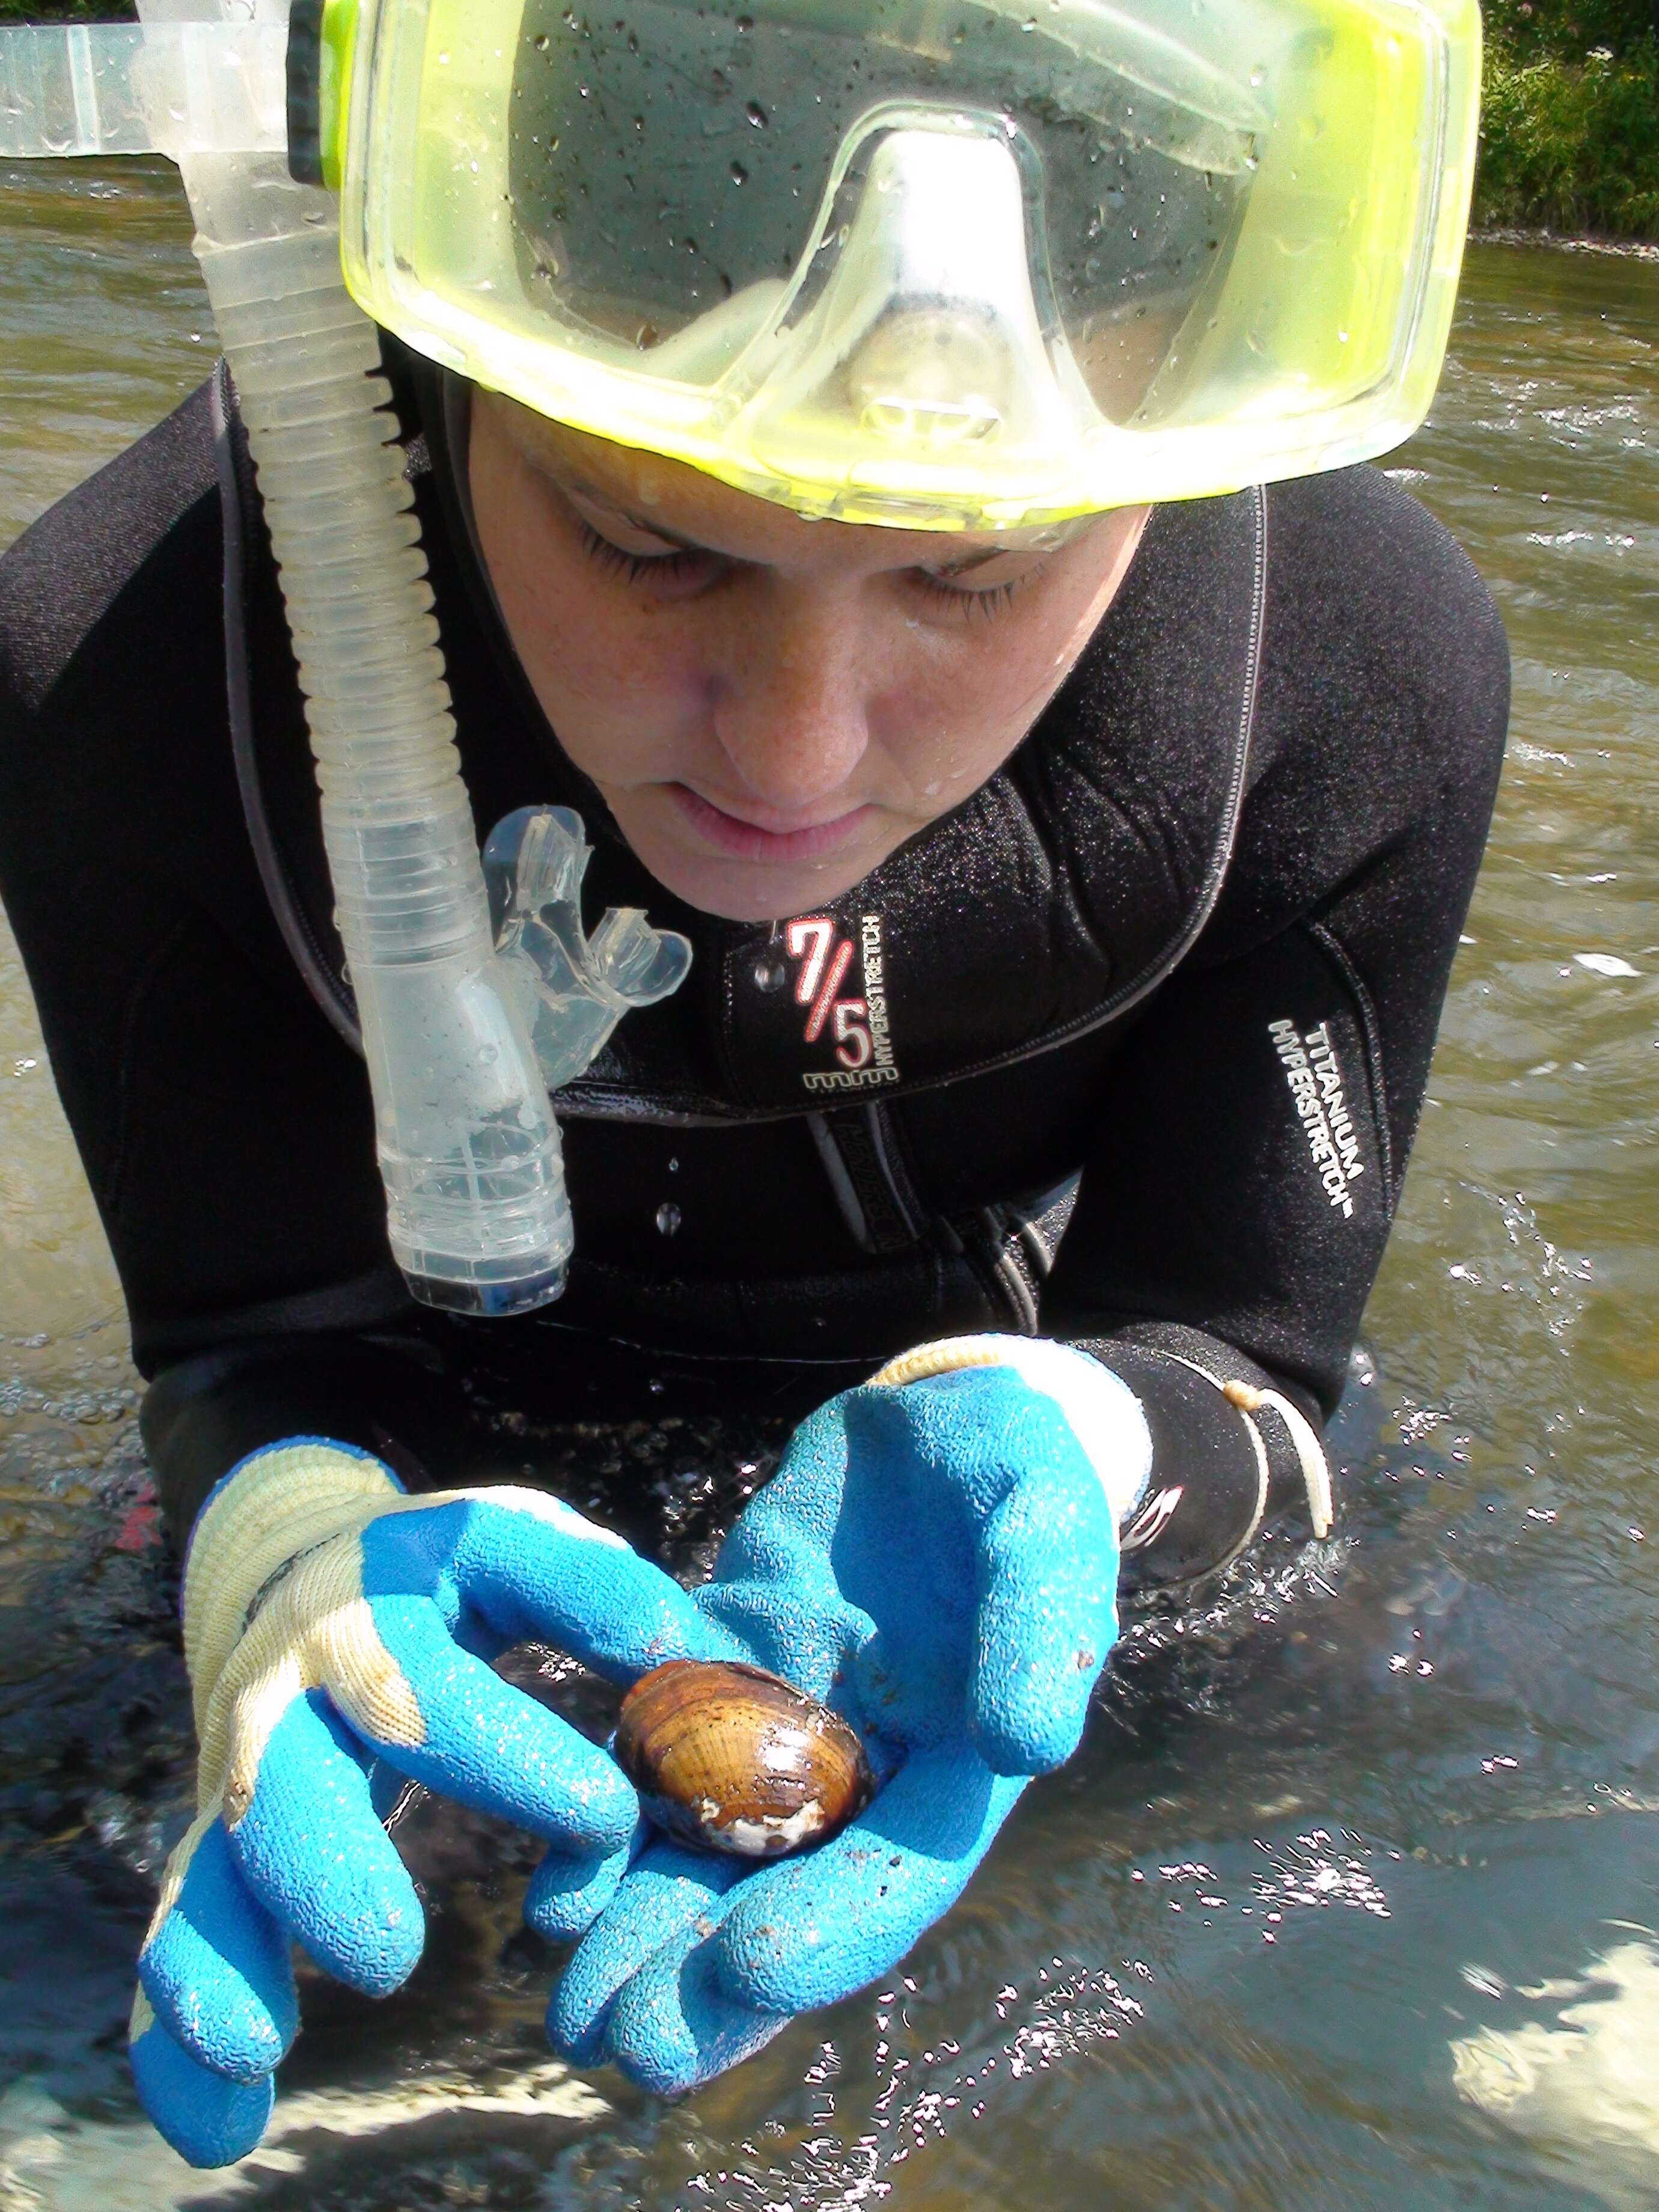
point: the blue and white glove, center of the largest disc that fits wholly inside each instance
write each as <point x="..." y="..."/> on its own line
<point x="936" y="1557"/>
<point x="331" y="1622"/>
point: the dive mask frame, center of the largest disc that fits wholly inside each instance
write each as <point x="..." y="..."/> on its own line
<point x="1021" y="266"/>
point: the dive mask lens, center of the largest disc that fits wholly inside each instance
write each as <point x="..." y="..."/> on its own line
<point x="942" y="262"/>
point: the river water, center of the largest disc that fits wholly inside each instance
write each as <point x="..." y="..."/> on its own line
<point x="1349" y="1899"/>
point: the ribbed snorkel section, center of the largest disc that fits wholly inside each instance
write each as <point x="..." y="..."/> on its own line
<point x="468" y="1146"/>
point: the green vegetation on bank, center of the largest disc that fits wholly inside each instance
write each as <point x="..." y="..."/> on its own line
<point x="1570" y="125"/>
<point x="1570" y="129"/>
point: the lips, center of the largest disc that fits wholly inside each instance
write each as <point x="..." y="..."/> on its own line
<point x="744" y="840"/>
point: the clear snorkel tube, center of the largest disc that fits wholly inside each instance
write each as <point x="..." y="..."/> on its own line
<point x="462" y="1040"/>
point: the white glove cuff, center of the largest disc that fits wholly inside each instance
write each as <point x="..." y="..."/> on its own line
<point x="278" y="1503"/>
<point x="1102" y="1411"/>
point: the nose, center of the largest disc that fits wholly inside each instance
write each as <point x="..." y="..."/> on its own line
<point x="790" y="709"/>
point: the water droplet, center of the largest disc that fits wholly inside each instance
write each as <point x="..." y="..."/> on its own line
<point x="656" y="1387"/>
<point x="543" y="42"/>
<point x="740" y="174"/>
<point x="770" y="973"/>
<point x="669" y="1218"/>
<point x="746" y="23"/>
<point x="673" y="1167"/>
<point x="756" y="114"/>
<point x="1259" y="75"/>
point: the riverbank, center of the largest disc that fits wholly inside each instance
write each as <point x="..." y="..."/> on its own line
<point x="1620" y="249"/>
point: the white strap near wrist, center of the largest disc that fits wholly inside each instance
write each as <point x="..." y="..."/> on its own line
<point x="1309" y="1452"/>
<point x="1102" y="1411"/>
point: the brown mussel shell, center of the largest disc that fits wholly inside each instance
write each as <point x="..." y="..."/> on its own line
<point x="729" y="1758"/>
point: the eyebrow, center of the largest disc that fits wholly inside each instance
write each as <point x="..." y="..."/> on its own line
<point x="978" y="560"/>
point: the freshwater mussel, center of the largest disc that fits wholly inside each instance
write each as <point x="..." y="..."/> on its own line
<point x="729" y="1758"/>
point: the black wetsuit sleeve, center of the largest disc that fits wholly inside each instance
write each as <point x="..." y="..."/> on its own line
<point x="386" y="1394"/>
<point x="225" y="1130"/>
<point x="1246" y="1167"/>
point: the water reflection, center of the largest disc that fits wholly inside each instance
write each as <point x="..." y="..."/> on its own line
<point x="1350" y="1898"/>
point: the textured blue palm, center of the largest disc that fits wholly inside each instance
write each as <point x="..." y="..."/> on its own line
<point x="449" y="1588"/>
<point x="939" y="1561"/>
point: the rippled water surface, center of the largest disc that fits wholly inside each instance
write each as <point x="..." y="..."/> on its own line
<point x="1349" y="1899"/>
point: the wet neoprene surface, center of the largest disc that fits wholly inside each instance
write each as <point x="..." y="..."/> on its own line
<point x="1239" y="1132"/>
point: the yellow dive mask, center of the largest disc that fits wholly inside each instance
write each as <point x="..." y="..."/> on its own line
<point x="946" y="264"/>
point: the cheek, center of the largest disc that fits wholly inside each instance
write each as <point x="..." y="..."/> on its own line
<point x="609" y="675"/>
<point x="956" y="706"/>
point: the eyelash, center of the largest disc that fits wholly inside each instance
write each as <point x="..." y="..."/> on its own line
<point x="637" y="566"/>
<point x="982" y="604"/>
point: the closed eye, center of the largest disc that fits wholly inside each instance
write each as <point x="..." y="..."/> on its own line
<point x="983" y="600"/>
<point x="672" y="561"/>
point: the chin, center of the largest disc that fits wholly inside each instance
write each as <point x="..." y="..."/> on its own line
<point x="746" y="890"/>
<point x="724" y="893"/>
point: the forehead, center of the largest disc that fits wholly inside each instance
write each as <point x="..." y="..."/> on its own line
<point x="649" y="491"/>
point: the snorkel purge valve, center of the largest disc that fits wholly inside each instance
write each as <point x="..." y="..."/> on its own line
<point x="943" y="264"/>
<point x="462" y="1041"/>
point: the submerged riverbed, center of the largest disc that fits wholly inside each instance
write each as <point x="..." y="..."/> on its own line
<point x="1349" y="1899"/>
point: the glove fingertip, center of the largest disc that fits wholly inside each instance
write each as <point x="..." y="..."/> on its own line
<point x="217" y="1970"/>
<point x="669" y="1901"/>
<point x="310" y="1849"/>
<point x="575" y="2029"/>
<point x="1012" y="1742"/>
<point x="675" y="2027"/>
<point x="209" y="2121"/>
<point x="1039" y="1659"/>
<point x="567" y="1894"/>
<point x="1027" y="1717"/>
<point x="579" y="2010"/>
<point x="228" y="2032"/>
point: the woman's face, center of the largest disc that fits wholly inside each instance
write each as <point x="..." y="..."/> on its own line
<point x="770" y="706"/>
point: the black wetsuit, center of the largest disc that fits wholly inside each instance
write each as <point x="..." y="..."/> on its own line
<point x="1189" y="946"/>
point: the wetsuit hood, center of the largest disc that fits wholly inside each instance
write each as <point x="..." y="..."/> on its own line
<point x="435" y="405"/>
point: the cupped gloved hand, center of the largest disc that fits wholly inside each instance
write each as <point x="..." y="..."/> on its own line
<point x="337" y="1630"/>
<point x="936" y="1557"/>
